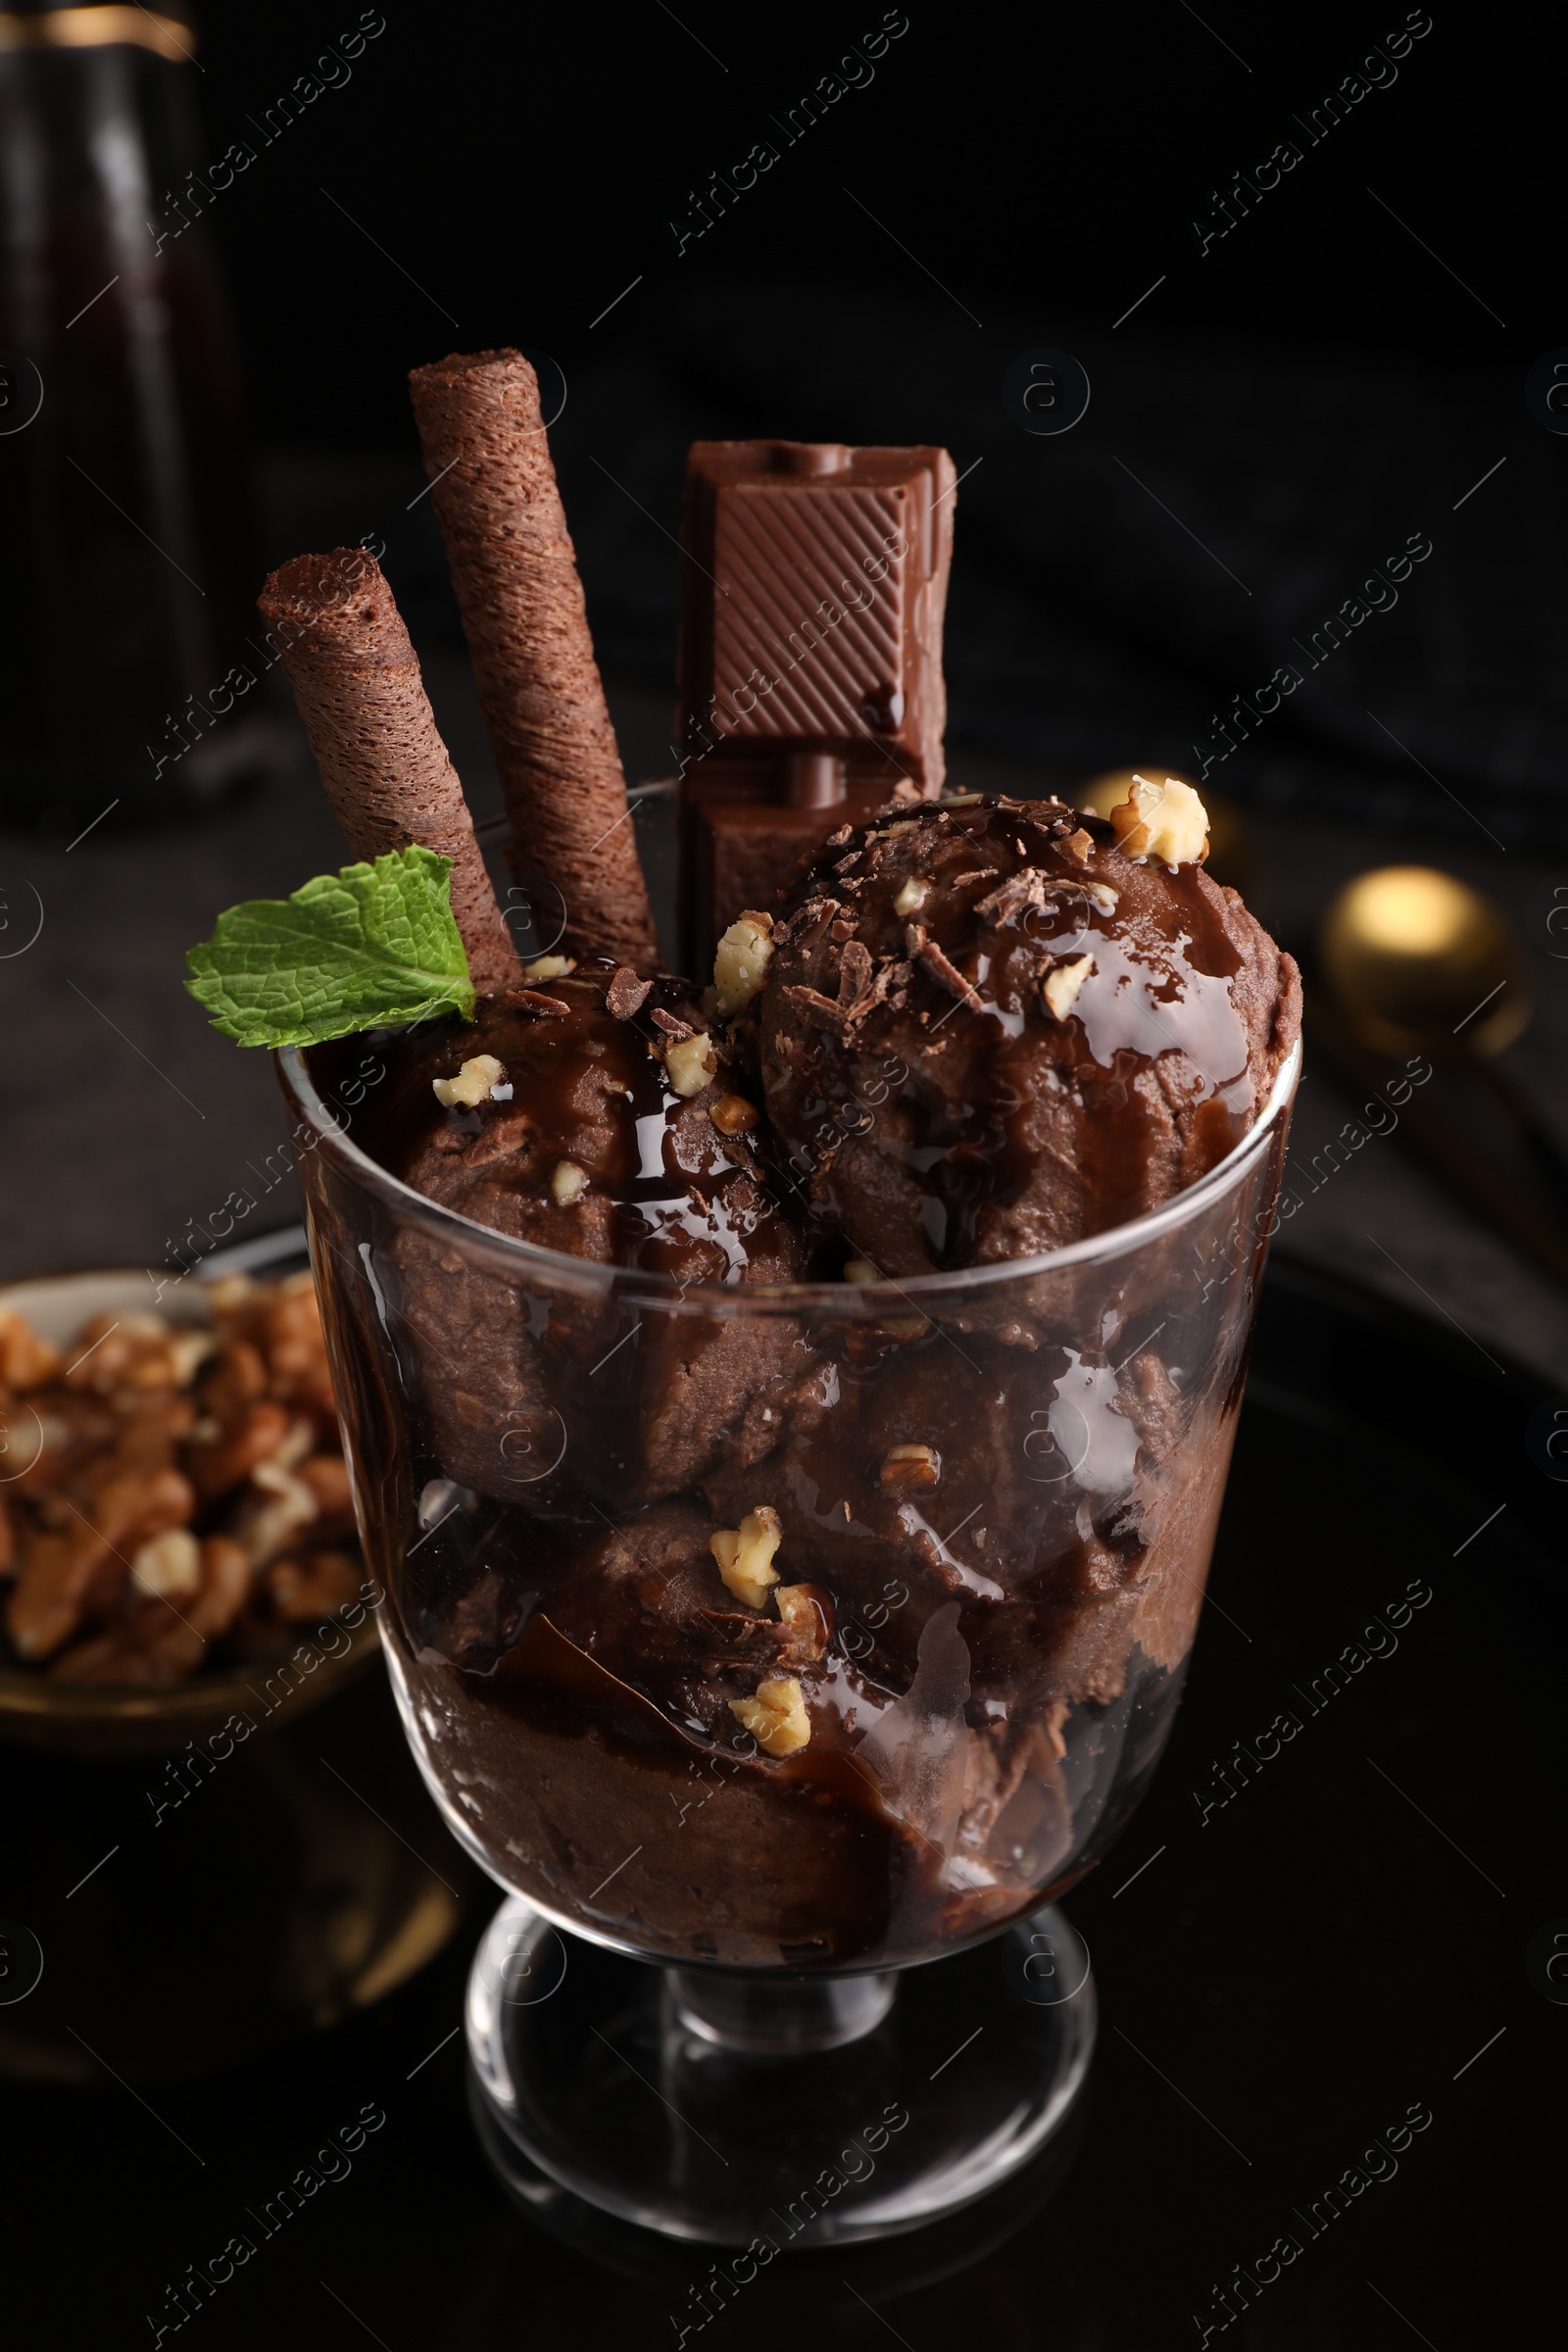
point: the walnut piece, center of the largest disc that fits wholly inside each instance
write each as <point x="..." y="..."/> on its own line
<point x="1080" y="846"/>
<point x="26" y="1361"/>
<point x="1166" y="820"/>
<point x="1060" y="987"/>
<point x="271" y="1514"/>
<point x="745" y="1555"/>
<point x="742" y="960"/>
<point x="907" y="1468"/>
<point x="690" y="1065"/>
<point x="568" y="1182"/>
<point x="246" y="1409"/>
<point x="777" y="1717"/>
<point x="803" y="1618"/>
<point x="168" y="1566"/>
<point x="732" y="1114"/>
<point x="253" y="1435"/>
<point x="473" y="1083"/>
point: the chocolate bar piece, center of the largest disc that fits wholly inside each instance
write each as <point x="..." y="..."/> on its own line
<point x="811" y="657"/>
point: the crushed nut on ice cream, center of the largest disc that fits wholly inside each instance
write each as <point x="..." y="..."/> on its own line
<point x="741" y="963"/>
<point x="801" y="1614"/>
<point x="732" y="1114"/>
<point x="477" y="1079"/>
<point x="906" y="1468"/>
<point x="777" y="1717"/>
<point x="912" y="895"/>
<point x="1060" y="987"/>
<point x="568" y="1182"/>
<point x="745" y="1555"/>
<point x="690" y="1064"/>
<point x="1167" y="821"/>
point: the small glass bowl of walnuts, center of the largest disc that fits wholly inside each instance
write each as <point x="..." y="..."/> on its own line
<point x="176" y="1519"/>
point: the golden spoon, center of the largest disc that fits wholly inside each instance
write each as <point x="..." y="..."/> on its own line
<point x="1421" y="962"/>
<point x="1417" y="962"/>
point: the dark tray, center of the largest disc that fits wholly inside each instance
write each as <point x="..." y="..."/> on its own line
<point x="1356" y="1937"/>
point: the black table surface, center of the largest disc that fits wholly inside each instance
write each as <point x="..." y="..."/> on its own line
<point x="1338" y="1975"/>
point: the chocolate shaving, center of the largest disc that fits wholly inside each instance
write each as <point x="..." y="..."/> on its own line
<point x="924" y="950"/>
<point x="1026" y="888"/>
<point x="893" y="976"/>
<point x="677" y="1031"/>
<point x="855" y="980"/>
<point x="806" y="925"/>
<point x="627" y="994"/>
<point x="537" y="1002"/>
<point x="856" y="986"/>
<point x="815" y="1007"/>
<point x="836" y="841"/>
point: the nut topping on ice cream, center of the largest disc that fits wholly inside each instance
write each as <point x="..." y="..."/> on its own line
<point x="745" y="1555"/>
<point x="906" y="1469"/>
<point x="474" y="1084"/>
<point x="1036" y="1055"/>
<point x="1162" y="820"/>
<point x="741" y="963"/>
<point x="1062" y="984"/>
<point x="690" y="1063"/>
<point x="777" y="1717"/>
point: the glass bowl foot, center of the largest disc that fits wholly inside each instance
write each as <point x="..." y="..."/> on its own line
<point x="773" y="2113"/>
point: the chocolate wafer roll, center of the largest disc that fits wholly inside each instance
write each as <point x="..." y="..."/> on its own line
<point x="384" y="767"/>
<point x="516" y="576"/>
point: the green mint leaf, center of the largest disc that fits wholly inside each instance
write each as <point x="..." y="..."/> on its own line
<point x="369" y="947"/>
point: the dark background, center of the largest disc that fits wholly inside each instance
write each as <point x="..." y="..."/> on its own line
<point x="1273" y="419"/>
<point x="1301" y="397"/>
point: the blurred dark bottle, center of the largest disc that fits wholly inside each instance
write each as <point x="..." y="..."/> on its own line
<point x="128" y="566"/>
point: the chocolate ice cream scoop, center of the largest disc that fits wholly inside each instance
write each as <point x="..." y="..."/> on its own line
<point x="987" y="1030"/>
<point x="588" y="1113"/>
<point x="793" y="1628"/>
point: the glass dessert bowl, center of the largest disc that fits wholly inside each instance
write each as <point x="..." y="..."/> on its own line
<point x="789" y="1636"/>
<point x="789" y="1417"/>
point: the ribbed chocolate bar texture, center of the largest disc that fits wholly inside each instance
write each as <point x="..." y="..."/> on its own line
<point x="813" y="583"/>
